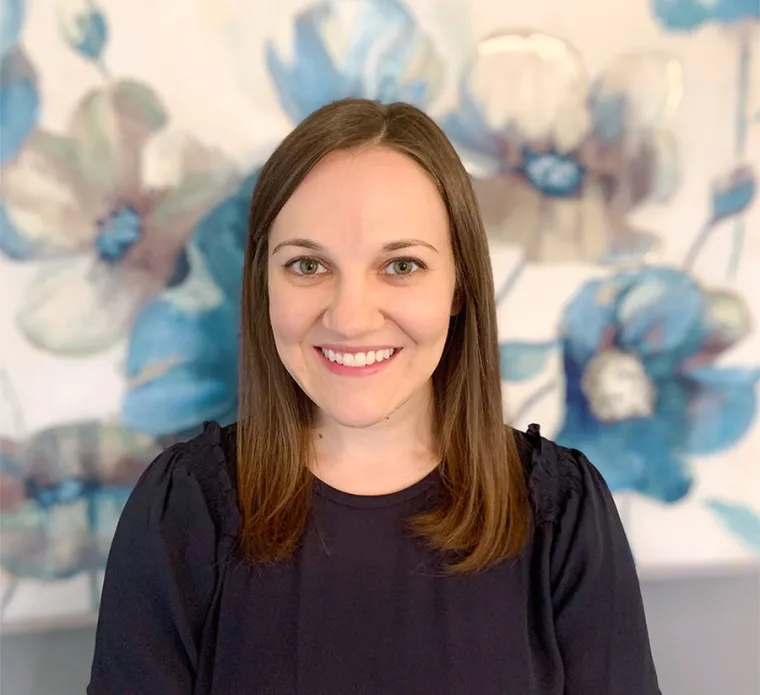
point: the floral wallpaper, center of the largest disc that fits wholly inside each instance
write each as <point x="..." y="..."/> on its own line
<point x="614" y="150"/>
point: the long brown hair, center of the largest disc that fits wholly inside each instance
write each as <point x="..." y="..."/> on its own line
<point x="483" y="513"/>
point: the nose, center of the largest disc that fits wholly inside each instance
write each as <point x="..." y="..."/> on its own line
<point x="353" y="309"/>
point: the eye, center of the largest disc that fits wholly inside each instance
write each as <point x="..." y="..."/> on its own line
<point x="305" y="266"/>
<point x="403" y="266"/>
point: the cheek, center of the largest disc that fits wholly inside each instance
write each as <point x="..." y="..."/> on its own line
<point x="426" y="315"/>
<point x="291" y="314"/>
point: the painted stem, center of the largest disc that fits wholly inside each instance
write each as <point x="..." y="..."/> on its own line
<point x="539" y="394"/>
<point x="11" y="398"/>
<point x="697" y="245"/>
<point x="509" y="284"/>
<point x="740" y="145"/>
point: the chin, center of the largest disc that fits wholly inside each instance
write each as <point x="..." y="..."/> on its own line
<point x="355" y="418"/>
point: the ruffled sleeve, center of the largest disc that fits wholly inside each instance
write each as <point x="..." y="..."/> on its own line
<point x="162" y="573"/>
<point x="598" y="611"/>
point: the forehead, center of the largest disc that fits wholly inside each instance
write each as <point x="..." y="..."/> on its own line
<point x="371" y="193"/>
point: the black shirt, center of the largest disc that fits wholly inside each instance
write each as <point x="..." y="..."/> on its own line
<point x="363" y="607"/>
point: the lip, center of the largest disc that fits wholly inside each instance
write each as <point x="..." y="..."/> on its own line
<point x="367" y="370"/>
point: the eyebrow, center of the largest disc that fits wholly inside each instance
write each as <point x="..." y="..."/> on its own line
<point x="390" y="246"/>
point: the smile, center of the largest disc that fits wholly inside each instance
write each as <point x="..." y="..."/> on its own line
<point x="358" y="359"/>
<point x="359" y="363"/>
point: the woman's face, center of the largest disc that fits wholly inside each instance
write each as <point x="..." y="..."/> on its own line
<point x="361" y="285"/>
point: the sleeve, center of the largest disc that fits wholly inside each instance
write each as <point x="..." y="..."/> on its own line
<point x="598" y="609"/>
<point x="158" y="583"/>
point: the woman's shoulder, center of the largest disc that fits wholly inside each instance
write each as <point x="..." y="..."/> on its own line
<point x="555" y="475"/>
<point x="195" y="476"/>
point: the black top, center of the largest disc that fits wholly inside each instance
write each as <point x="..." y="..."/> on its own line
<point x="363" y="608"/>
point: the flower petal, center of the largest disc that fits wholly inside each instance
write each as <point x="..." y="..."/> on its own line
<point x="19" y="102"/>
<point x="43" y="195"/>
<point x="722" y="407"/>
<point x="83" y="27"/>
<point x="369" y="48"/>
<point x="659" y="318"/>
<point x="201" y="177"/>
<point x="313" y="79"/>
<point x="11" y="21"/>
<point x="468" y="130"/>
<point x="634" y="95"/>
<point x="182" y="367"/>
<point x="111" y="126"/>
<point x="81" y="306"/>
<point x="93" y="451"/>
<point x="632" y="455"/>
<point x="221" y="237"/>
<point x="530" y="87"/>
<point x="589" y="317"/>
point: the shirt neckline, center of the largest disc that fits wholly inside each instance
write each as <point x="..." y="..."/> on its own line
<point x="389" y="499"/>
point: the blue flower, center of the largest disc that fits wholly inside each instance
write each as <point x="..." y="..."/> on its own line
<point x="642" y="389"/>
<point x="359" y="48"/>
<point x="182" y="357"/>
<point x="686" y="15"/>
<point x="558" y="159"/>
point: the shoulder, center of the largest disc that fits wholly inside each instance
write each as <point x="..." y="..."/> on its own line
<point x="556" y="476"/>
<point x="192" y="479"/>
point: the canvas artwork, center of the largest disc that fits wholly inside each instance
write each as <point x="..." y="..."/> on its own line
<point x="614" y="149"/>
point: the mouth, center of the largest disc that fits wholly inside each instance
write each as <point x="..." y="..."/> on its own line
<point x="360" y="362"/>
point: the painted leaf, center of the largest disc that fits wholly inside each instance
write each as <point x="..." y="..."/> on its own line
<point x="19" y="102"/>
<point x="521" y="361"/>
<point x="739" y="520"/>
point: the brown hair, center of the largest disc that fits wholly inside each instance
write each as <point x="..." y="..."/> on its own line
<point x="483" y="514"/>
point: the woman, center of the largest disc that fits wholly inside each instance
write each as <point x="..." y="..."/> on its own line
<point x="370" y="525"/>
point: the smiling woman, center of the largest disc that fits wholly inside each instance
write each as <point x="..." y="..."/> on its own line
<point x="369" y="524"/>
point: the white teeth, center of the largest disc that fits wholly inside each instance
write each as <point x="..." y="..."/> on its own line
<point x="358" y="359"/>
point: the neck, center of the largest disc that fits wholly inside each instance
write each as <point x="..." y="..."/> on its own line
<point x="382" y="458"/>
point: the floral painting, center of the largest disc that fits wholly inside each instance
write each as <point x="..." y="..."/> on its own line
<point x="617" y="180"/>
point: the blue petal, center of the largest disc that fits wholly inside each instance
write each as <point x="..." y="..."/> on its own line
<point x="11" y="21"/>
<point x="468" y="130"/>
<point x="523" y="361"/>
<point x="181" y="399"/>
<point x="722" y="407"/>
<point x="659" y="318"/>
<point x="740" y="521"/>
<point x="182" y="366"/>
<point x="90" y="33"/>
<point x="19" y="102"/>
<point x="221" y="236"/>
<point x="313" y="79"/>
<point x="736" y="196"/>
<point x="608" y="115"/>
<point x="632" y="455"/>
<point x="686" y="15"/>
<point x="589" y="317"/>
